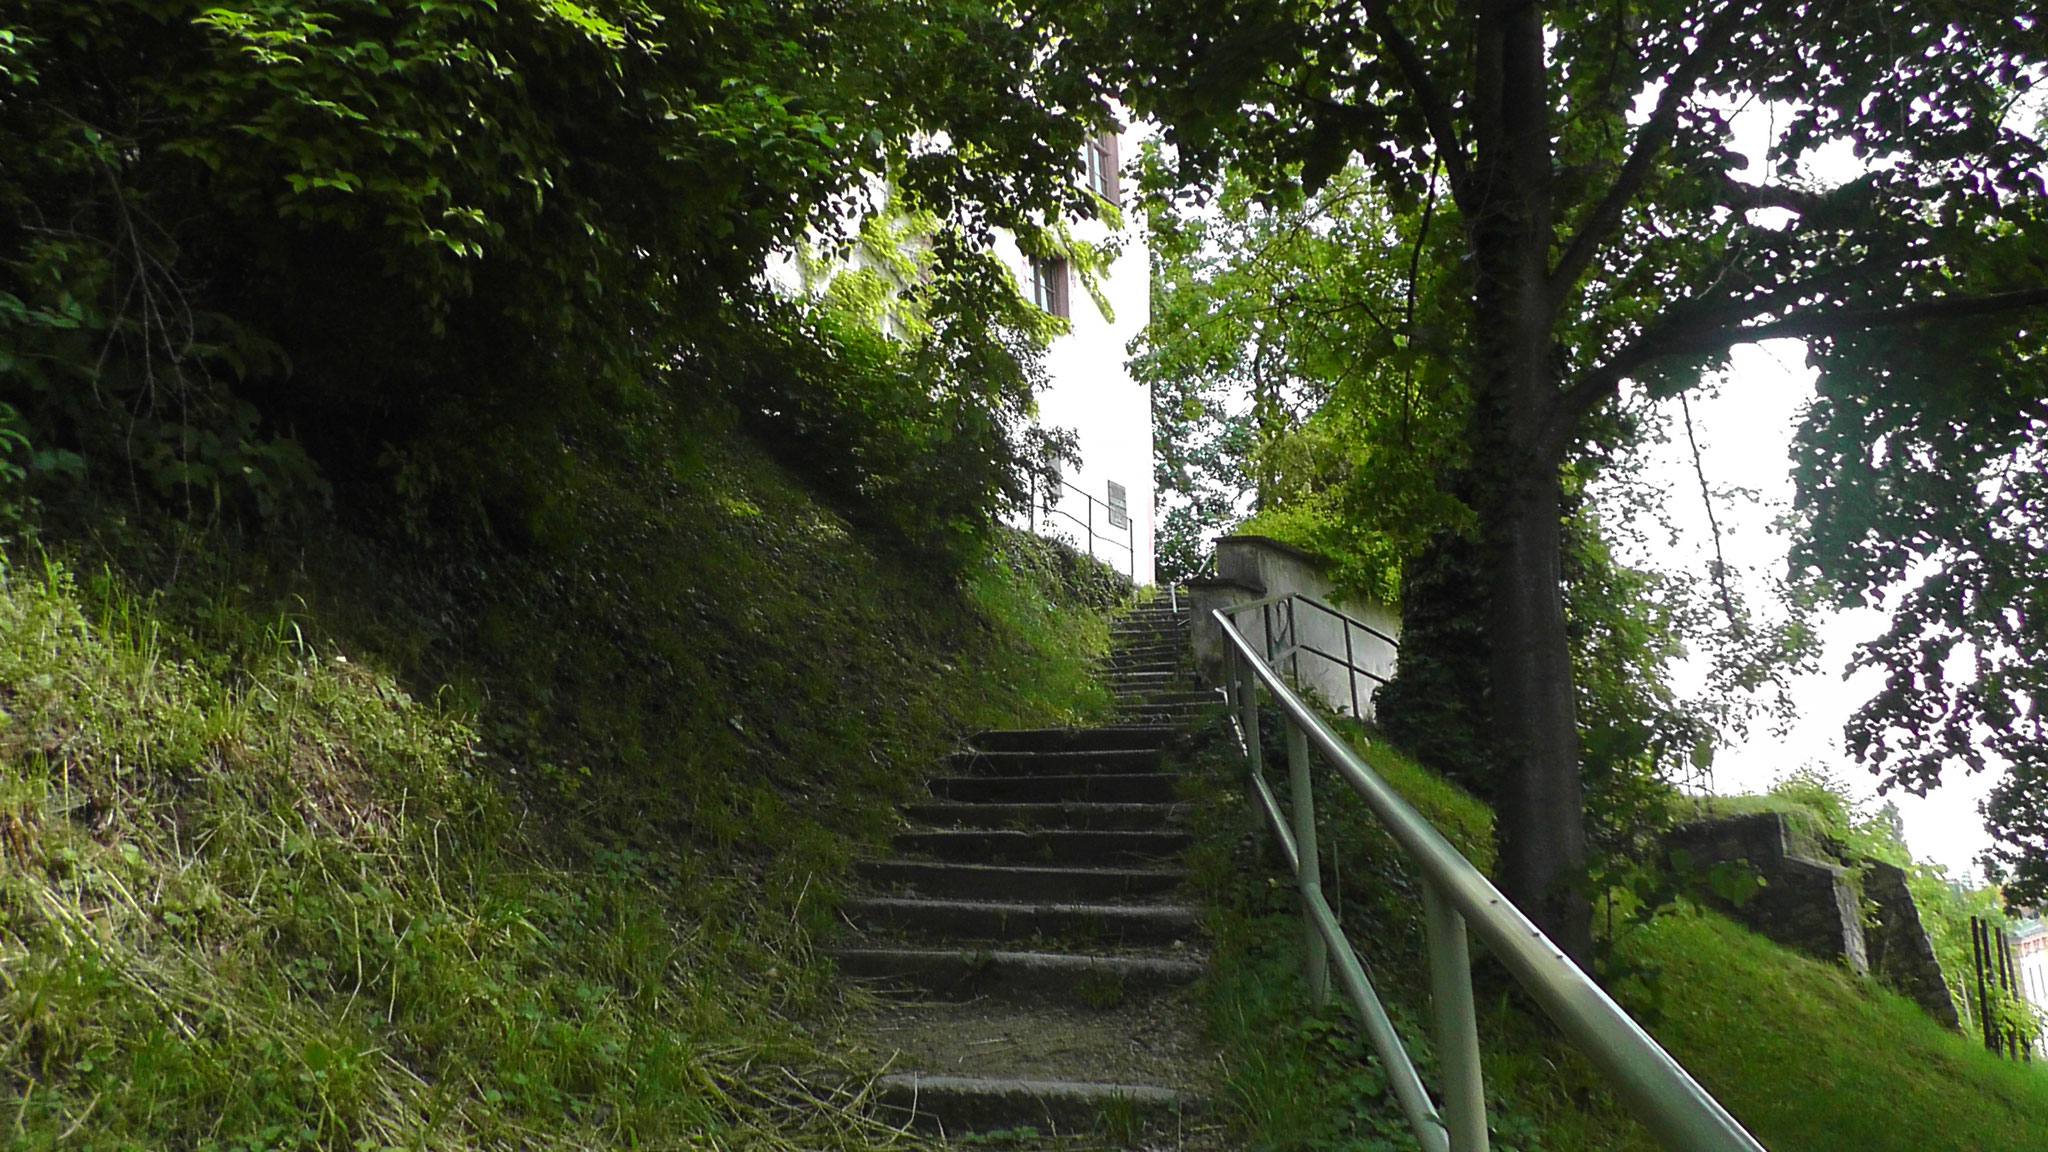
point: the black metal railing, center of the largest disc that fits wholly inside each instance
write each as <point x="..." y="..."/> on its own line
<point x="1095" y="522"/>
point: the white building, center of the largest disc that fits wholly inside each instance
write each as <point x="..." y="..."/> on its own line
<point x="1106" y="507"/>
<point x="2030" y="959"/>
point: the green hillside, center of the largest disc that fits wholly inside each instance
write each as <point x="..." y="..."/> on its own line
<point x="349" y="841"/>
<point x="1811" y="1057"/>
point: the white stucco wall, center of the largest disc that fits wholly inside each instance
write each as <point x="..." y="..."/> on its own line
<point x="1091" y="390"/>
<point x="1254" y="568"/>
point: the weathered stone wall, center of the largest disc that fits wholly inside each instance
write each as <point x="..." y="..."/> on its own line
<point x="1900" y="949"/>
<point x="1805" y="903"/>
<point x="1813" y="905"/>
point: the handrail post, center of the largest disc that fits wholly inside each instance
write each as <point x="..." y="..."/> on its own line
<point x="1457" y="1022"/>
<point x="1351" y="670"/>
<point x="1248" y="719"/>
<point x="1309" y="874"/>
<point x="1294" y="638"/>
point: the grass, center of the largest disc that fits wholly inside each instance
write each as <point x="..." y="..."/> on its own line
<point x="1813" y="1058"/>
<point x="390" y="844"/>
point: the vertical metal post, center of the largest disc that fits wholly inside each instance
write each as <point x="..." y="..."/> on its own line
<point x="1294" y="639"/>
<point x="1979" y="946"/>
<point x="1091" y="524"/>
<point x="1310" y="877"/>
<point x="1351" y="672"/>
<point x="1248" y="718"/>
<point x="1266" y="629"/>
<point x="1457" y="1022"/>
<point x="2008" y="979"/>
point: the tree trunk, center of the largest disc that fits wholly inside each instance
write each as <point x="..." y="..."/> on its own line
<point x="1541" y="823"/>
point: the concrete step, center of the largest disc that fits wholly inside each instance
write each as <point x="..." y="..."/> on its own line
<point x="1139" y="675"/>
<point x="1057" y="977"/>
<point x="1166" y="694"/>
<point x="1019" y="881"/>
<point x="1174" y="667"/>
<point x="958" y="1105"/>
<point x="1009" y="922"/>
<point x="1160" y="647"/>
<point x="1050" y="846"/>
<point x="1126" y="817"/>
<point x="1092" y="787"/>
<point x="1116" y="760"/>
<point x="1181" y="714"/>
<point x="1073" y="739"/>
<point x="1147" y="634"/>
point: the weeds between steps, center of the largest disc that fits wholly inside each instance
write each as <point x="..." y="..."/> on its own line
<point x="265" y="887"/>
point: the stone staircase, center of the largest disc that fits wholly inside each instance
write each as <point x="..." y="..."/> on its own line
<point x="1027" y="938"/>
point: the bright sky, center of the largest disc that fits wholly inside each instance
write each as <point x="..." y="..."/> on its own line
<point x="1745" y="434"/>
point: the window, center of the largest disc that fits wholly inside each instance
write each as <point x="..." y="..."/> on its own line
<point x="1049" y="283"/>
<point x="1099" y="165"/>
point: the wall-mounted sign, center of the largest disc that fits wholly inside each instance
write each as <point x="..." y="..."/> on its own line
<point x="1119" y="506"/>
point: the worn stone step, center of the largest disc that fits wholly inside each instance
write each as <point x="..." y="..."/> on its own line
<point x="1070" y="814"/>
<point x="1126" y="677"/>
<point x="1166" y="712"/>
<point x="1010" y="921"/>
<point x="955" y="1106"/>
<point x="1161" y="647"/>
<point x="1143" y="637"/>
<point x="1153" y="617"/>
<point x="1174" y="695"/>
<point x="1073" y="739"/>
<point x="1059" y="977"/>
<point x="1170" y="668"/>
<point x="1094" y="787"/>
<point x="1019" y="881"/>
<point x="1113" y="760"/>
<point x="1047" y="846"/>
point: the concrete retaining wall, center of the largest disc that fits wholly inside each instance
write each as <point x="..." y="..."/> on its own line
<point x="1250" y="568"/>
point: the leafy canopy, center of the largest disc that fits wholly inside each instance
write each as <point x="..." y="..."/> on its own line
<point x="252" y="247"/>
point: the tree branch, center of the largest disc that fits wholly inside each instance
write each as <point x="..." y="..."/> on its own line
<point x="1742" y="197"/>
<point x="1650" y="142"/>
<point x="1695" y="337"/>
<point x="1436" y="112"/>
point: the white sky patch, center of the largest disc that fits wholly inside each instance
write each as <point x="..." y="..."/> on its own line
<point x="1744" y="427"/>
<point x="1744" y="423"/>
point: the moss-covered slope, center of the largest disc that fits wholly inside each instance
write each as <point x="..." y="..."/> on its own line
<point x="358" y="842"/>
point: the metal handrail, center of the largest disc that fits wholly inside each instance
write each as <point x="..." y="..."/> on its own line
<point x="1295" y="645"/>
<point x="1679" y="1113"/>
<point x="1130" y="541"/>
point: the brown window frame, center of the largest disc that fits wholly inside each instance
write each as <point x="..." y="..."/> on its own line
<point x="1099" y="167"/>
<point x="1050" y="280"/>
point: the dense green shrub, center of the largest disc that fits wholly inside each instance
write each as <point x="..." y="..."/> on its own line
<point x="252" y="248"/>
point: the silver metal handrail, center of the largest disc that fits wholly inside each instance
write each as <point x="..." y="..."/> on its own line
<point x="1274" y="610"/>
<point x="1656" y="1090"/>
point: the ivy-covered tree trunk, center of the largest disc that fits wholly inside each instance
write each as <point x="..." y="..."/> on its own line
<point x="1541" y="826"/>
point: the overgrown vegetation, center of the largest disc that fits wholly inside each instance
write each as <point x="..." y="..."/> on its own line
<point x="1822" y="814"/>
<point x="361" y="845"/>
<point x="1728" y="1004"/>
